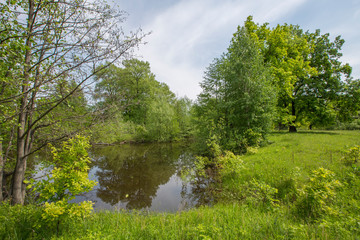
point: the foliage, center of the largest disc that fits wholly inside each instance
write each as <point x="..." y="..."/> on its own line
<point x="49" y="50"/>
<point x="319" y="194"/>
<point x="237" y="101"/>
<point x="307" y="73"/>
<point x="131" y="96"/>
<point x="259" y="193"/>
<point x="161" y="123"/>
<point x="115" y="130"/>
<point x="19" y="222"/>
<point x="352" y="156"/>
<point x="68" y="178"/>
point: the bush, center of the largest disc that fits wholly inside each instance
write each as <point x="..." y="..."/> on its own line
<point x="68" y="178"/>
<point x="257" y="192"/>
<point x="318" y="195"/>
<point x="352" y="156"/>
<point x="22" y="221"/>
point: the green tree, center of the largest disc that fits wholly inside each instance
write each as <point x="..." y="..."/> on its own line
<point x="307" y="72"/>
<point x="318" y="93"/>
<point x="54" y="42"/>
<point x="347" y="103"/>
<point x="237" y="101"/>
<point x="183" y="114"/>
<point x="285" y="49"/>
<point x="11" y="50"/>
<point x="126" y="89"/>
<point x="133" y="91"/>
<point x="161" y="122"/>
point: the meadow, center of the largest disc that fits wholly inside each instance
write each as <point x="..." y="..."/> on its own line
<point x="301" y="185"/>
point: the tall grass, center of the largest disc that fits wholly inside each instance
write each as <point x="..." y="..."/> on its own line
<point x="280" y="171"/>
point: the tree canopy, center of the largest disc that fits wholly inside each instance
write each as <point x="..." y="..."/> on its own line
<point x="301" y="72"/>
<point x="236" y="104"/>
<point x="306" y="70"/>
<point x="134" y="96"/>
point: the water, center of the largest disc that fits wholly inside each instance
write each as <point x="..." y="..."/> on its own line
<point x="141" y="176"/>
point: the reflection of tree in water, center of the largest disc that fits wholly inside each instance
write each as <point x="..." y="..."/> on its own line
<point x="133" y="173"/>
<point x="200" y="191"/>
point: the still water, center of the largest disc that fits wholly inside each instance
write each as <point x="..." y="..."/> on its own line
<point x="142" y="176"/>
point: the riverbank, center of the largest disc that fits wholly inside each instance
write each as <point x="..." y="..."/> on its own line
<point x="299" y="186"/>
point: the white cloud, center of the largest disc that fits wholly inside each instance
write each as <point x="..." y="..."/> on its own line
<point x="187" y="36"/>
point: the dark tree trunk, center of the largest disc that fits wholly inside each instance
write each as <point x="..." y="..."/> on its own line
<point x="292" y="127"/>
<point x="18" y="187"/>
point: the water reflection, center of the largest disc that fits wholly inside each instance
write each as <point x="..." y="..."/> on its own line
<point x="145" y="176"/>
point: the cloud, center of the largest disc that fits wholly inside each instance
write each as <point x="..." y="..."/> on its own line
<point x="189" y="34"/>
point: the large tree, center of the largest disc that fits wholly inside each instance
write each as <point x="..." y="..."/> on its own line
<point x="307" y="71"/>
<point x="236" y="104"/>
<point x="317" y="94"/>
<point x="55" y="41"/>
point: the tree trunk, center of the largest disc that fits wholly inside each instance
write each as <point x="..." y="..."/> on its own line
<point x="292" y="127"/>
<point x="1" y="172"/>
<point x="17" y="190"/>
<point x="18" y="187"/>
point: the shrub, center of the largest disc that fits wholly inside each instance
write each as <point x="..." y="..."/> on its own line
<point x="68" y="178"/>
<point x="259" y="193"/>
<point x="318" y="195"/>
<point x="352" y="156"/>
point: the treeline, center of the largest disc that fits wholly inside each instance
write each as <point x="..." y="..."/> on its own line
<point x="281" y="77"/>
<point x="136" y="107"/>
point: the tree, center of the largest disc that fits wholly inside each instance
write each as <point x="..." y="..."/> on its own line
<point x="347" y="103"/>
<point x="183" y="114"/>
<point x="126" y="89"/>
<point x="133" y="91"/>
<point x="318" y="93"/>
<point x="236" y="104"/>
<point x="57" y="41"/>
<point x="10" y="47"/>
<point x="161" y="122"/>
<point x="307" y="72"/>
<point x="285" y="49"/>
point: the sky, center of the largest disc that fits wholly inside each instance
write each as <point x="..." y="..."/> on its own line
<point x="186" y="35"/>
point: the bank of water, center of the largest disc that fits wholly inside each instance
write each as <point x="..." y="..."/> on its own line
<point x="142" y="177"/>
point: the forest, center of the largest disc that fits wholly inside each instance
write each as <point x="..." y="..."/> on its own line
<point x="69" y="81"/>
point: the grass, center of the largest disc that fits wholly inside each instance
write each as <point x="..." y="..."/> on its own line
<point x="286" y="165"/>
<point x="301" y="152"/>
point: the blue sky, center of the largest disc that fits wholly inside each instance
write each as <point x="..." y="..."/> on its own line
<point x="188" y="34"/>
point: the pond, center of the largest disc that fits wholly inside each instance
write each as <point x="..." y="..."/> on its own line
<point x="142" y="176"/>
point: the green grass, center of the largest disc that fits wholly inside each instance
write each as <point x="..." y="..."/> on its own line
<point x="285" y="164"/>
<point x="301" y="152"/>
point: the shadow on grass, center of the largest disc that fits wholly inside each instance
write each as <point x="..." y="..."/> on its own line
<point x="320" y="132"/>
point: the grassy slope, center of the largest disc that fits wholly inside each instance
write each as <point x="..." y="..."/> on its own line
<point x="301" y="152"/>
<point x="289" y="155"/>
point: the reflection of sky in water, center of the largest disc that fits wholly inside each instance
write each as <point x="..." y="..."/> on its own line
<point x="147" y="180"/>
<point x="168" y="198"/>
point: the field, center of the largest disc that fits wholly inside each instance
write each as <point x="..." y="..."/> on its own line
<point x="302" y="185"/>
